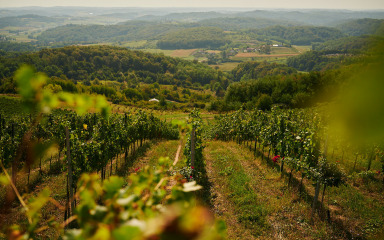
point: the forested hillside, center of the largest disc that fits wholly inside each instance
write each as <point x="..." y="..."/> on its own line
<point x="317" y="60"/>
<point x="25" y="20"/>
<point x="203" y="37"/>
<point x="110" y="63"/>
<point x="240" y="23"/>
<point x="353" y="44"/>
<point x="10" y="46"/>
<point x="294" y="90"/>
<point x="190" y="35"/>
<point x="334" y="53"/>
<point x="129" y="31"/>
<point x="254" y="70"/>
<point x="298" y="35"/>
<point x="361" y="26"/>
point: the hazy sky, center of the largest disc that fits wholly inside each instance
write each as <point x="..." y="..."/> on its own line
<point x="329" y="4"/>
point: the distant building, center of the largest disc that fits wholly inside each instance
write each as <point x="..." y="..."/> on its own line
<point x="154" y="100"/>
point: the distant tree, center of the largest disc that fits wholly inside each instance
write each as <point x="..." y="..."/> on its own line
<point x="220" y="92"/>
<point x="53" y="88"/>
<point x="162" y="101"/>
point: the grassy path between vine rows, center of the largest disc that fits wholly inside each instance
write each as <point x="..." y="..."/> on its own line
<point x="253" y="199"/>
<point x="56" y="181"/>
<point x="160" y="149"/>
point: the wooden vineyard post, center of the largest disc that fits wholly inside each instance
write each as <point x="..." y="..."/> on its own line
<point x="193" y="147"/>
<point x="14" y="162"/>
<point x="71" y="203"/>
<point x="315" y="198"/>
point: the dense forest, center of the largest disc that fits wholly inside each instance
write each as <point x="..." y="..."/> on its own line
<point x="333" y="53"/>
<point x="25" y="20"/>
<point x="10" y="46"/>
<point x="254" y="70"/>
<point x="362" y="26"/>
<point x="317" y="60"/>
<point x="353" y="44"/>
<point x="203" y="37"/>
<point x="110" y="63"/>
<point x="129" y="31"/>
<point x="298" y="35"/>
<point x="122" y="75"/>
<point x="240" y="23"/>
<point x="294" y="90"/>
<point x="296" y="17"/>
<point x="172" y="35"/>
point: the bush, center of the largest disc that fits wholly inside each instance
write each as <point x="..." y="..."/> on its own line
<point x="264" y="103"/>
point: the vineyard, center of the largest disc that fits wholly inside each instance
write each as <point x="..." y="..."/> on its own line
<point x="71" y="169"/>
<point x="83" y="149"/>
<point x="298" y="145"/>
<point x="93" y="140"/>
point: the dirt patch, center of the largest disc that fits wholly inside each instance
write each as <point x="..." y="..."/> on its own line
<point x="183" y="52"/>
<point x="213" y="51"/>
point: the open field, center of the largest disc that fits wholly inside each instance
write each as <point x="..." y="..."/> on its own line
<point x="228" y="66"/>
<point x="281" y="60"/>
<point x="182" y="53"/>
<point x="213" y="51"/>
<point x="250" y="55"/>
<point x="302" y="49"/>
<point x="283" y="50"/>
<point x="134" y="44"/>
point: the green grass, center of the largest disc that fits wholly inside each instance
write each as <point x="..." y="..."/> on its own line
<point x="251" y="212"/>
<point x="134" y="44"/>
<point x="302" y="49"/>
<point x="228" y="66"/>
<point x="362" y="210"/>
<point x="166" y="149"/>
<point x="248" y="183"/>
<point x="283" y="50"/>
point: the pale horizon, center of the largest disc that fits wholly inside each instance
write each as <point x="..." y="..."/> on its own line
<point x="240" y="4"/>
